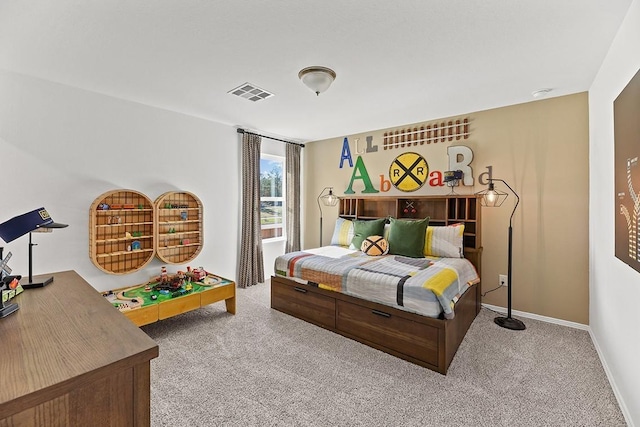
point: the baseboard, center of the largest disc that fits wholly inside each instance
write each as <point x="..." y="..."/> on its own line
<point x="575" y="325"/>
<point x="612" y="382"/>
<point x="561" y="322"/>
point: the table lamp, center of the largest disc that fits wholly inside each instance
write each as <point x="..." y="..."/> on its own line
<point x="37" y="220"/>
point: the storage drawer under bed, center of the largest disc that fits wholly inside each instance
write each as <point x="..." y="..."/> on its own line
<point x="411" y="338"/>
<point x="304" y="304"/>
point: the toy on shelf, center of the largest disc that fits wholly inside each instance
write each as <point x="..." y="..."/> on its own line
<point x="409" y="209"/>
<point x="452" y="179"/>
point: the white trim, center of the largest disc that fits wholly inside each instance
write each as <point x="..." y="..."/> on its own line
<point x="575" y="325"/>
<point x="561" y="322"/>
<point x="616" y="392"/>
<point x="274" y="239"/>
<point x="271" y="226"/>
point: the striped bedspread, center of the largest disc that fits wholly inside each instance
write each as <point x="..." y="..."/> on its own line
<point x="427" y="286"/>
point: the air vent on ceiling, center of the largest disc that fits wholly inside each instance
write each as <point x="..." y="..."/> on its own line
<point x="251" y="92"/>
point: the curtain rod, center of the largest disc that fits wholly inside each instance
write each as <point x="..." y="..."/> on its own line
<point x="269" y="137"/>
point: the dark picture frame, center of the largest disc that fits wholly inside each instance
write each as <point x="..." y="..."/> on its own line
<point x="626" y="122"/>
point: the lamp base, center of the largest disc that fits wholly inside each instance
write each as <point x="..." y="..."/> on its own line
<point x="510" y="323"/>
<point x="8" y="309"/>
<point x="37" y="285"/>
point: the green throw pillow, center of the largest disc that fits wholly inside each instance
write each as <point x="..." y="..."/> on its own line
<point x="407" y="237"/>
<point x="364" y="229"/>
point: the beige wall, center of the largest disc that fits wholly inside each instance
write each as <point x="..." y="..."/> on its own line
<point x="541" y="149"/>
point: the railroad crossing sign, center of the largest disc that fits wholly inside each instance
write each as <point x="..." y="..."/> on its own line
<point x="4" y="268"/>
<point x="408" y="172"/>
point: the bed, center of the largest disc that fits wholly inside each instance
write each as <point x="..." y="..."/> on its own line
<point x="417" y="308"/>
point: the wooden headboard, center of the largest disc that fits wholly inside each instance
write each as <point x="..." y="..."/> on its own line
<point x="441" y="210"/>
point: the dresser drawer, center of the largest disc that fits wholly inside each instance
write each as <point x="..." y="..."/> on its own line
<point x="402" y="335"/>
<point x="301" y="302"/>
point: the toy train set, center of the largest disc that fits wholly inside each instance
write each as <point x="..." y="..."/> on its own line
<point x="163" y="287"/>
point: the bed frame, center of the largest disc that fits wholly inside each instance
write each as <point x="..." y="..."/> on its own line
<point x="426" y="341"/>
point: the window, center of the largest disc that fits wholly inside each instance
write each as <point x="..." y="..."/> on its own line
<point x="272" y="203"/>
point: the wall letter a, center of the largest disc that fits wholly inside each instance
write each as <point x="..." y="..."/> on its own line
<point x="360" y="172"/>
<point x="346" y="154"/>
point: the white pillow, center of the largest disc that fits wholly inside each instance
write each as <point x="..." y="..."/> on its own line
<point x="342" y="233"/>
<point x="445" y="241"/>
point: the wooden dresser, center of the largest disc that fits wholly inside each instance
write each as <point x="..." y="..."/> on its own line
<point x="69" y="359"/>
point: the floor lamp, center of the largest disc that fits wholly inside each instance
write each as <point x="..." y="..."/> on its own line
<point x="37" y="220"/>
<point x="328" y="199"/>
<point x="495" y="198"/>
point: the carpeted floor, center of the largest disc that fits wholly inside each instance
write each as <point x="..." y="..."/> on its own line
<point x="265" y="368"/>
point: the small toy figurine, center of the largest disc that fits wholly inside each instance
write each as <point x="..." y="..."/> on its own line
<point x="103" y="206"/>
<point x="409" y="208"/>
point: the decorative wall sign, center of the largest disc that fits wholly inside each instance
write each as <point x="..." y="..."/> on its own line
<point x="431" y="133"/>
<point x="408" y="171"/>
<point x="626" y="110"/>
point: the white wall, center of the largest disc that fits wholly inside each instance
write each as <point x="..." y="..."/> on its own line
<point x="62" y="147"/>
<point x="614" y="286"/>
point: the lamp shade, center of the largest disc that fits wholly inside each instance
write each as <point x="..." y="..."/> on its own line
<point x="491" y="197"/>
<point x="330" y="199"/>
<point x="317" y="78"/>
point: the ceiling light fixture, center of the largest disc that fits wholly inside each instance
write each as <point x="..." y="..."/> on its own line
<point x="540" y="93"/>
<point x="317" y="78"/>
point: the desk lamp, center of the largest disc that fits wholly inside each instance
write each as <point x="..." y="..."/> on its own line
<point x="37" y="220"/>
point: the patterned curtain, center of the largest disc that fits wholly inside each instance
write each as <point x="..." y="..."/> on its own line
<point x="292" y="160"/>
<point x="251" y="265"/>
